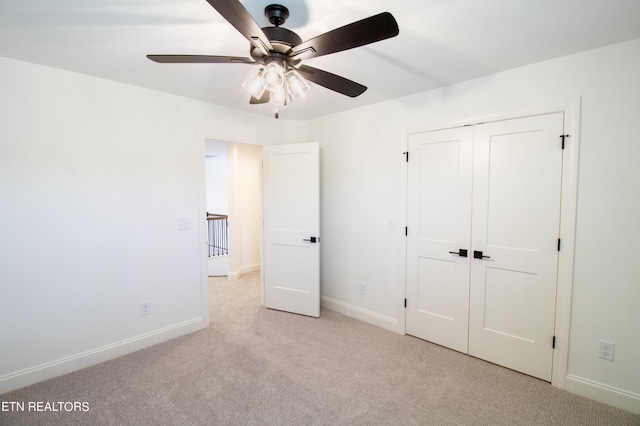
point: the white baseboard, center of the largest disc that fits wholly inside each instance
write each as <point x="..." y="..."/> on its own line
<point x="235" y="275"/>
<point x="358" y="313"/>
<point x="79" y="361"/>
<point x="602" y="393"/>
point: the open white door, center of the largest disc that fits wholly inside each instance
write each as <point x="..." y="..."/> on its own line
<point x="291" y="215"/>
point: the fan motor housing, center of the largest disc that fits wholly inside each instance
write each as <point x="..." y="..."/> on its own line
<point x="280" y="38"/>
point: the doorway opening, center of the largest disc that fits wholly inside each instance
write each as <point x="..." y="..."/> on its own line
<point x="232" y="192"/>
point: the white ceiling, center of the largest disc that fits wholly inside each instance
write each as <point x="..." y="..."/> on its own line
<point x="441" y="42"/>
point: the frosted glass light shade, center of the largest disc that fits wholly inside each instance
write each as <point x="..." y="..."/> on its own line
<point x="279" y="96"/>
<point x="296" y="85"/>
<point x="273" y="76"/>
<point x="255" y="84"/>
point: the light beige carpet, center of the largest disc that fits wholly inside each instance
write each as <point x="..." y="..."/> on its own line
<point x="255" y="366"/>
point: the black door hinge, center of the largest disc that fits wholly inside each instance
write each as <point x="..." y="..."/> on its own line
<point x="553" y="344"/>
<point x="406" y="231"/>
<point x="406" y="154"/>
<point x="563" y="138"/>
<point x="405" y="303"/>
<point x="559" y="241"/>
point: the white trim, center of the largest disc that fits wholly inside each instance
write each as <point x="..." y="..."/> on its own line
<point x="234" y="275"/>
<point x="82" y="360"/>
<point x="401" y="282"/>
<point x="251" y="268"/>
<point x="560" y="105"/>
<point x="603" y="393"/>
<point x="261" y="190"/>
<point x="245" y="269"/>
<point x="202" y="227"/>
<point x="571" y="110"/>
<point x="358" y="313"/>
<point x="566" y="258"/>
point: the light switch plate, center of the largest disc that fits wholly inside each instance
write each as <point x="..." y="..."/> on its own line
<point x="184" y="224"/>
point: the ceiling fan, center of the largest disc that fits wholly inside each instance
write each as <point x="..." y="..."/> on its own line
<point x="279" y="52"/>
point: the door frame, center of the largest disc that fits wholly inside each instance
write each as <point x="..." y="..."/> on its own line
<point x="568" y="209"/>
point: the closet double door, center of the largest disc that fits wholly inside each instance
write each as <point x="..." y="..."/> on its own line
<point x="482" y="242"/>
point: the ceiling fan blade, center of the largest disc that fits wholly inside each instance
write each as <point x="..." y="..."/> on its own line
<point x="369" y="30"/>
<point x="263" y="99"/>
<point x="332" y="81"/>
<point x="200" y="59"/>
<point x="234" y="12"/>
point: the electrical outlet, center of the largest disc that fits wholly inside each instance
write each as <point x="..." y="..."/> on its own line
<point x="363" y="289"/>
<point x="606" y="349"/>
<point x="145" y="308"/>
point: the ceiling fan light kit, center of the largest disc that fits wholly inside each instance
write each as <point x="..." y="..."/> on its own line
<point x="255" y="84"/>
<point x="297" y="87"/>
<point x="279" y="97"/>
<point x="279" y="52"/>
<point x="273" y="76"/>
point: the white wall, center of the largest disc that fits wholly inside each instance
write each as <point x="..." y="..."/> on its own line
<point x="93" y="178"/>
<point x="216" y="182"/>
<point x="244" y="209"/>
<point x="361" y="166"/>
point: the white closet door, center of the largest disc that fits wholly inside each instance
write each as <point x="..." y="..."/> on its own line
<point x="439" y="220"/>
<point x="516" y="215"/>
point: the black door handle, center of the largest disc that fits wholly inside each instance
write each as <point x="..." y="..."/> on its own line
<point x="479" y="255"/>
<point x="312" y="240"/>
<point x="460" y="252"/>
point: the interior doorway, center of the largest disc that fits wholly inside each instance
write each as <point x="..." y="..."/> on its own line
<point x="217" y="206"/>
<point x="232" y="188"/>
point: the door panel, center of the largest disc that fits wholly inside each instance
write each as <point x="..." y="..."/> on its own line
<point x="510" y="294"/>
<point x="291" y="262"/>
<point x="515" y="223"/>
<point x="439" y="218"/>
<point x="515" y="171"/>
<point x="433" y="297"/>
